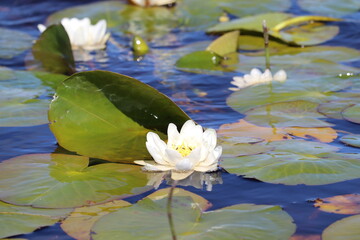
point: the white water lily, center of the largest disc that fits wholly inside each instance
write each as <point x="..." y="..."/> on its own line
<point x="84" y="35"/>
<point x="257" y="77"/>
<point x="185" y="152"/>
<point x="149" y="3"/>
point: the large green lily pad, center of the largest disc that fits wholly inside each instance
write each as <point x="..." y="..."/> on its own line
<point x="53" y="51"/>
<point x="287" y="114"/>
<point x="17" y="220"/>
<point x="25" y="97"/>
<point x="147" y="220"/>
<point x="297" y="162"/>
<point x="107" y="115"/>
<point x="330" y="7"/>
<point x="13" y="43"/>
<point x="344" y="229"/>
<point x="63" y="181"/>
<point x="352" y="113"/>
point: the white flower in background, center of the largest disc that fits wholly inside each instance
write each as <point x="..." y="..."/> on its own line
<point x="149" y="3"/>
<point x="185" y="152"/>
<point x="83" y="35"/>
<point x="257" y="77"/>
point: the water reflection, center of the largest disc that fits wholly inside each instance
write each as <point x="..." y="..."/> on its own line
<point x="198" y="180"/>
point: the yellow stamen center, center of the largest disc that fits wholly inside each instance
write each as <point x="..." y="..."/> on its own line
<point x="183" y="149"/>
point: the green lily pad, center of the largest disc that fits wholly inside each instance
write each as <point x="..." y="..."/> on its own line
<point x="344" y="229"/>
<point x="252" y="23"/>
<point x="351" y="139"/>
<point x="64" y="181"/>
<point x="287" y="114"/>
<point x="330" y="7"/>
<point x="309" y="34"/>
<point x="242" y="149"/>
<point x="107" y="115"/>
<point x="53" y="51"/>
<point x="147" y="220"/>
<point x="297" y="162"/>
<point x="285" y="27"/>
<point x="352" y="113"/>
<point x="16" y="220"/>
<point x="25" y="97"/>
<point x="13" y="43"/>
<point x="316" y="91"/>
<point x="200" y="59"/>
<point x="79" y="223"/>
<point x="225" y="44"/>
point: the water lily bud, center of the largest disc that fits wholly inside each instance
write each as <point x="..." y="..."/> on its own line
<point x="139" y="46"/>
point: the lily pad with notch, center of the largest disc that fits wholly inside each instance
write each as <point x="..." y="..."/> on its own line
<point x="65" y="181"/>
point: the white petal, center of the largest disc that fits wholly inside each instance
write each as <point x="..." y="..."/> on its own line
<point x="280" y="76"/>
<point x="156" y="155"/>
<point x="187" y="128"/>
<point x="172" y="156"/>
<point x="217" y="152"/>
<point x="151" y="167"/>
<point x="173" y="135"/>
<point x="41" y="27"/>
<point x="255" y="73"/>
<point x="209" y="138"/>
<point x="266" y="76"/>
<point x="184" y="165"/>
<point x="195" y="156"/>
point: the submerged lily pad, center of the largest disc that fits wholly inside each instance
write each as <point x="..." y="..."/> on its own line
<point x="13" y="43"/>
<point x="16" y="220"/>
<point x="287" y="114"/>
<point x="297" y="162"/>
<point x="107" y="115"/>
<point x="352" y="113"/>
<point x="341" y="204"/>
<point x="344" y="229"/>
<point x="63" y="181"/>
<point x="351" y="140"/>
<point x="147" y="220"/>
<point x="25" y="97"/>
<point x="53" y="51"/>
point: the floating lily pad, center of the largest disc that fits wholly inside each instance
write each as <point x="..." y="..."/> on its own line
<point x="287" y="114"/>
<point x="53" y="51"/>
<point x="284" y="26"/>
<point x="322" y="134"/>
<point x="147" y="220"/>
<point x="107" y="115"/>
<point x="352" y="113"/>
<point x="341" y="204"/>
<point x="201" y="60"/>
<point x="13" y="43"/>
<point x="16" y="220"/>
<point x="344" y="229"/>
<point x="232" y="131"/>
<point x="351" y="139"/>
<point x="297" y="162"/>
<point x="63" y="181"/>
<point x="242" y="149"/>
<point x="79" y="223"/>
<point x="225" y="44"/>
<point x="330" y="7"/>
<point x="25" y="97"/>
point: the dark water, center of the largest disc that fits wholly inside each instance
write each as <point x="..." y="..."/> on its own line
<point x="210" y="111"/>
